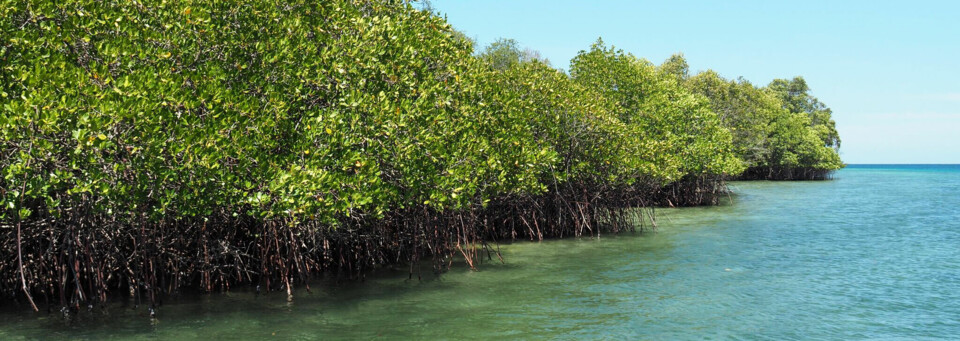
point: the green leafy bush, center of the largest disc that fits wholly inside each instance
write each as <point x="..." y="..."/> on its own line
<point x="780" y="131"/>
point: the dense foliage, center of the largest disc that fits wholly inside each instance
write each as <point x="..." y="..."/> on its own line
<point x="676" y="132"/>
<point x="780" y="131"/>
<point x="155" y="147"/>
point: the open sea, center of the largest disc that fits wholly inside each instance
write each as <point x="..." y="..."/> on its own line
<point x="872" y="254"/>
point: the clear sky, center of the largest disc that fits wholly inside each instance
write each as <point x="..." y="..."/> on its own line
<point x="889" y="70"/>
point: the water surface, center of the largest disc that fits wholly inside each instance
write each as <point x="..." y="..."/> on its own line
<point x="874" y="254"/>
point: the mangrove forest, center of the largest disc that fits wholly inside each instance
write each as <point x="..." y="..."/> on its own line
<point x="148" y="148"/>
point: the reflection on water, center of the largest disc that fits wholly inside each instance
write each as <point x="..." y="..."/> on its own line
<point x="873" y="254"/>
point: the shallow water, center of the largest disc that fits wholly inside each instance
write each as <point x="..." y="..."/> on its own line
<point x="872" y="254"/>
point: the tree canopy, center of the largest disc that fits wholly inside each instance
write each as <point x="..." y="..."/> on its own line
<point x="780" y="131"/>
<point x="223" y="142"/>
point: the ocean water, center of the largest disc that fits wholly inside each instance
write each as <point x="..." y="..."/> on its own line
<point x="873" y="254"/>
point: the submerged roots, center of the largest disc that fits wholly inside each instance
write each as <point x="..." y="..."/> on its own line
<point x="81" y="259"/>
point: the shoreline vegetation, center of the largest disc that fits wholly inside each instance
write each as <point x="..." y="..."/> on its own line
<point x="147" y="149"/>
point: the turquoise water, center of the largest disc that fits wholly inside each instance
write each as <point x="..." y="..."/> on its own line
<point x="874" y="254"/>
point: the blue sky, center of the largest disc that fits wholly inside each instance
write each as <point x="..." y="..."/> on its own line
<point x="889" y="70"/>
